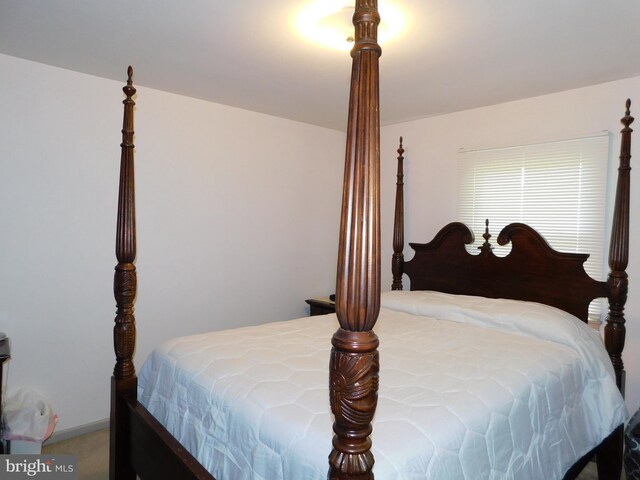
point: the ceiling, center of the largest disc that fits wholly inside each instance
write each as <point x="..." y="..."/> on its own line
<point x="453" y="55"/>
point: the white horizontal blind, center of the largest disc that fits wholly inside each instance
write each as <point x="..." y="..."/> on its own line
<point x="558" y="188"/>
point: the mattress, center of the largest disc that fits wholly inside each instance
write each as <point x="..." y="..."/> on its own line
<point x="470" y="388"/>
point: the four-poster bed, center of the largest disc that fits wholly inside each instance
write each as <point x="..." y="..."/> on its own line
<point x="140" y="444"/>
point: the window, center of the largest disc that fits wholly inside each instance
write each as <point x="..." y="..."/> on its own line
<point x="559" y="188"/>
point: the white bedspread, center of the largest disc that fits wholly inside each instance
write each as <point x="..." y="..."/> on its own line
<point x="492" y="389"/>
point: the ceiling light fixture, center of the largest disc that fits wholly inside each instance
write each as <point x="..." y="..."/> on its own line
<point x="328" y="23"/>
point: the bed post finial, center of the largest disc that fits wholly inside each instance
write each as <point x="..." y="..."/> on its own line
<point x="124" y="381"/>
<point x="397" y="261"/>
<point x="615" y="330"/>
<point x="486" y="248"/>
<point x="353" y="368"/>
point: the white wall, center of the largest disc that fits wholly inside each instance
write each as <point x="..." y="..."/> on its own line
<point x="431" y="146"/>
<point x="238" y="215"/>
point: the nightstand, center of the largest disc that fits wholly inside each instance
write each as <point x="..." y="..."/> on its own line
<point x="321" y="306"/>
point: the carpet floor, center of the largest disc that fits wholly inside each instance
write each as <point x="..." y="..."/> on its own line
<point x="92" y="450"/>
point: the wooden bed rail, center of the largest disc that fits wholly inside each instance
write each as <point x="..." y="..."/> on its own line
<point x="354" y="362"/>
<point x="154" y="453"/>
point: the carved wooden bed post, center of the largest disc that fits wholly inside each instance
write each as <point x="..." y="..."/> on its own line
<point x="354" y="366"/>
<point x="397" y="260"/>
<point x="609" y="454"/>
<point x="124" y="380"/>
<point x="615" y="329"/>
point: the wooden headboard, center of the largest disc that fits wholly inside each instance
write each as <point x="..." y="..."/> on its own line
<point x="532" y="271"/>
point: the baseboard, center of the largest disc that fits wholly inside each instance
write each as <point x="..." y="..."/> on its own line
<point x="77" y="431"/>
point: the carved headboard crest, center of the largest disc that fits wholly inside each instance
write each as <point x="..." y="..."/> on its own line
<point x="486" y="248"/>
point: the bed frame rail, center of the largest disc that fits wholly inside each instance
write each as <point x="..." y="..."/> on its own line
<point x="154" y="453"/>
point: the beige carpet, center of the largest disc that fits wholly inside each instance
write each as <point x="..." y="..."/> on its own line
<point x="93" y="456"/>
<point x="92" y="450"/>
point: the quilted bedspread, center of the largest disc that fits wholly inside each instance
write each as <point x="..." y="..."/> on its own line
<point x="470" y="388"/>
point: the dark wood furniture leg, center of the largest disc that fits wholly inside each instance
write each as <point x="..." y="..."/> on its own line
<point x="124" y="381"/>
<point x="139" y="444"/>
<point x="615" y="330"/>
<point x="397" y="261"/>
<point x="354" y="363"/>
<point x="610" y="453"/>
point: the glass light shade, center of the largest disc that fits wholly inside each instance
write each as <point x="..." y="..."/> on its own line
<point x="328" y="23"/>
